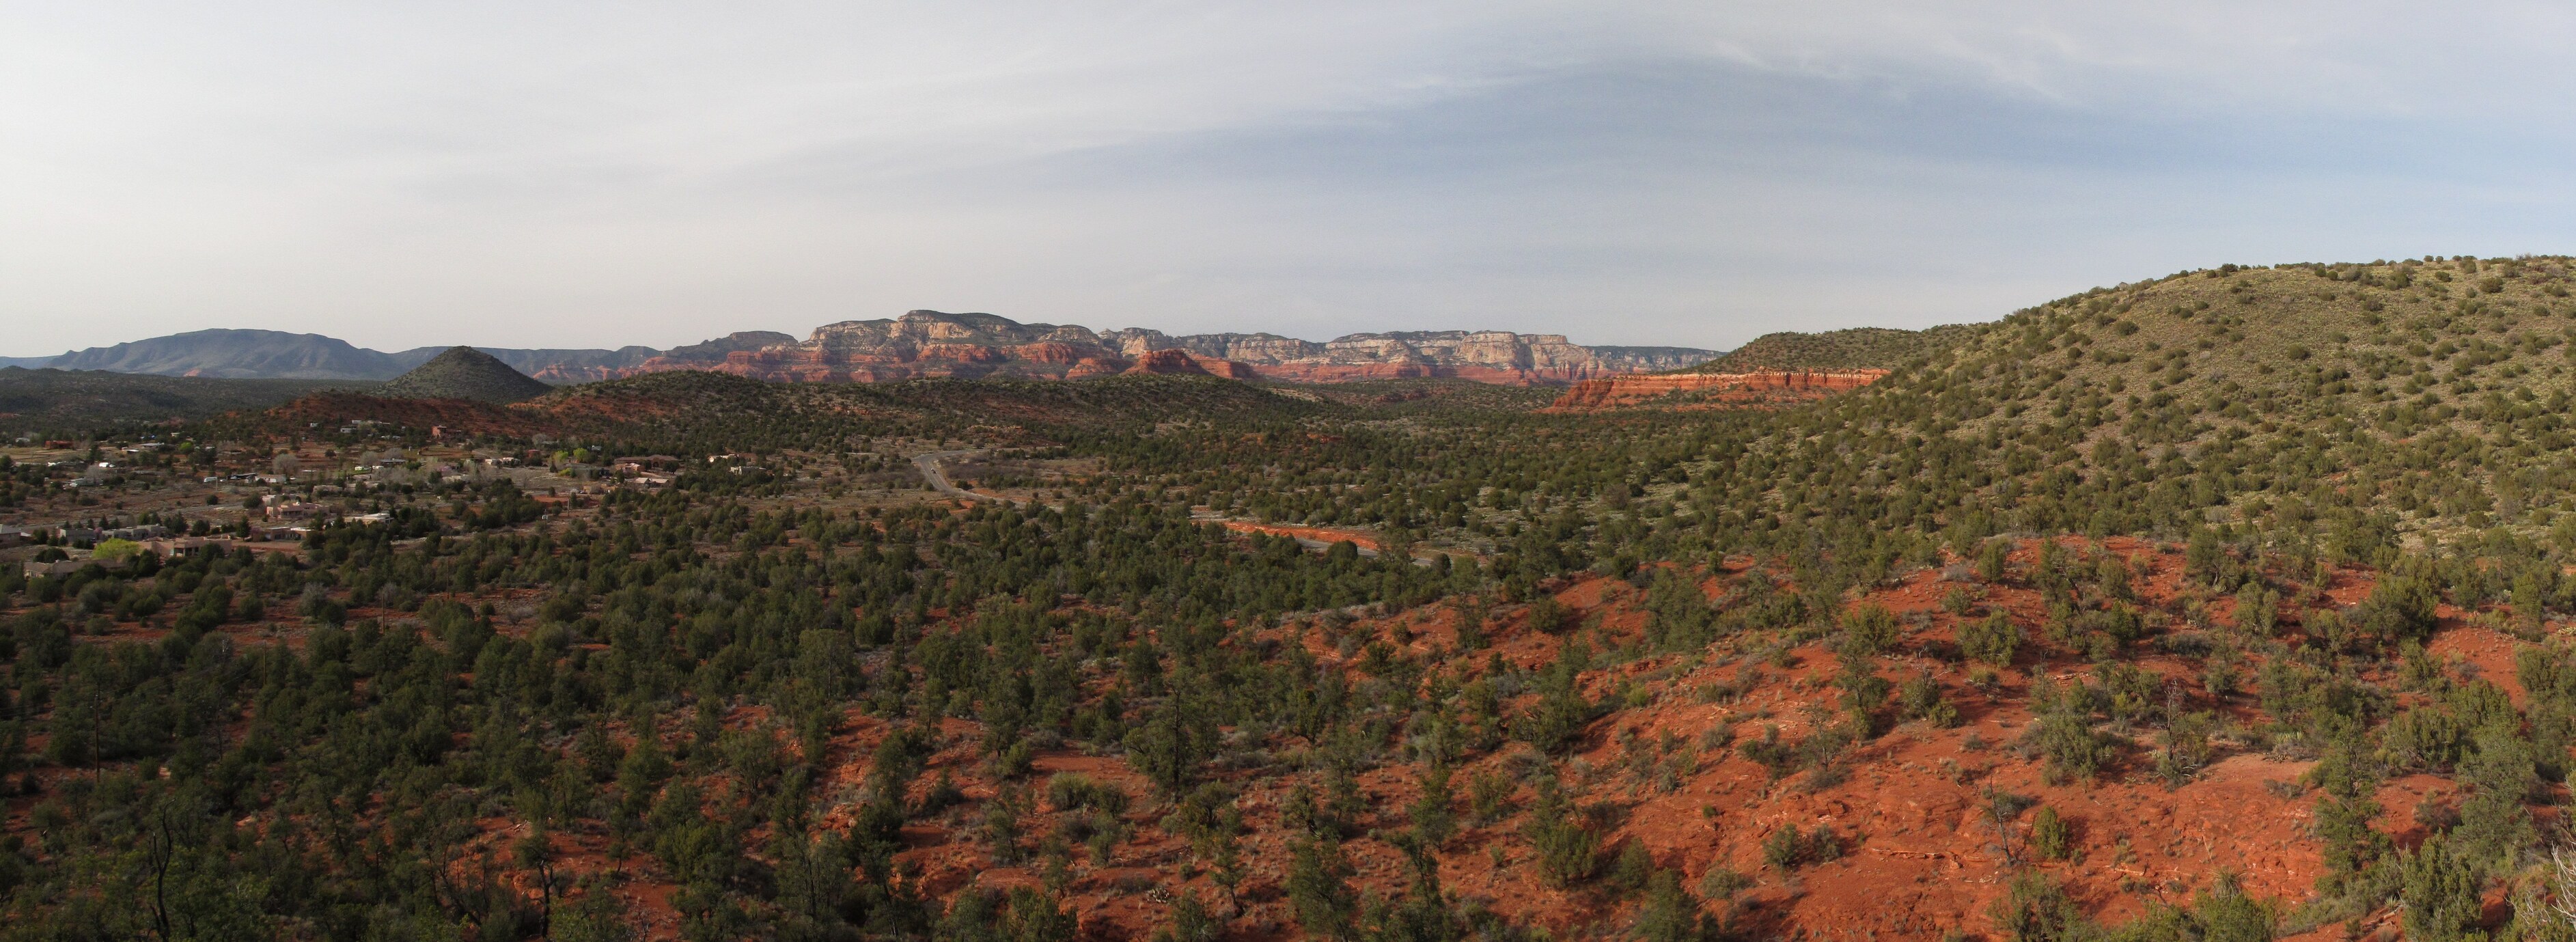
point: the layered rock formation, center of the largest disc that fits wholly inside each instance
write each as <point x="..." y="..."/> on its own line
<point x="932" y="343"/>
<point x="1490" y="356"/>
<point x="1712" y="390"/>
<point x="1184" y="362"/>
<point x="707" y="355"/>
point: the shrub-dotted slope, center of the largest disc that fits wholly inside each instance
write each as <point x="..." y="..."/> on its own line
<point x="1856" y="348"/>
<point x="2353" y="400"/>
<point x="465" y="373"/>
<point x="49" y="399"/>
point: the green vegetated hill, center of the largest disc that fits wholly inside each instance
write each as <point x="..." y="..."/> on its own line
<point x="2356" y="400"/>
<point x="80" y="400"/>
<point x="239" y="354"/>
<point x="720" y="402"/>
<point x="1418" y="396"/>
<point x="1855" y="348"/>
<point x="690" y="410"/>
<point x="465" y="373"/>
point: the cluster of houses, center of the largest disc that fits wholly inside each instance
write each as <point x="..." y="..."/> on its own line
<point x="64" y="567"/>
<point x="649" y="471"/>
<point x="150" y="538"/>
<point x="289" y="517"/>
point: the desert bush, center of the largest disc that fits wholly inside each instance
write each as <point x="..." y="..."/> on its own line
<point x="1569" y="853"/>
<point x="1431" y="814"/>
<point x="2399" y="608"/>
<point x="2440" y="893"/>
<point x="1072" y="790"/>
<point x="2051" y="838"/>
<point x="1991" y="639"/>
<point x="1920" y="699"/>
<point x="1869" y="629"/>
<point x="2187" y="748"/>
<point x="2073" y="750"/>
<point x="2423" y="737"/>
<point x="1319" y="890"/>
<point x="2036" y="909"/>
<point x="1789" y="848"/>
<point x="1721" y="883"/>
<point x="1489" y="797"/>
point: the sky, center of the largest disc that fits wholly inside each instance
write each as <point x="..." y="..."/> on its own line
<point x="539" y="173"/>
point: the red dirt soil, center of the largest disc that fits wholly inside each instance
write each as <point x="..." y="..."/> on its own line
<point x="1920" y="854"/>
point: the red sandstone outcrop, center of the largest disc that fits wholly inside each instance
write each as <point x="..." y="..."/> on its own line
<point x="1489" y="356"/>
<point x="1182" y="362"/>
<point x="1771" y="387"/>
<point x="932" y="343"/>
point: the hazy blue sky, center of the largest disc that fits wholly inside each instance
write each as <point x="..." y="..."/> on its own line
<point x="561" y="174"/>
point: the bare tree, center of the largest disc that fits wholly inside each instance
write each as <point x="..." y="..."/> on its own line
<point x="2562" y="885"/>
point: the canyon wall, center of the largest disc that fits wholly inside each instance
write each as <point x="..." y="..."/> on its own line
<point x="933" y="343"/>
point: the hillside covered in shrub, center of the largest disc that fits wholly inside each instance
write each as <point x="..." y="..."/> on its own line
<point x="2229" y="605"/>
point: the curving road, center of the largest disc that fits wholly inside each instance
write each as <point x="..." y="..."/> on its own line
<point x="930" y="471"/>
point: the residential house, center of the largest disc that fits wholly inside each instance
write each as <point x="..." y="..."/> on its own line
<point x="65" y="567"/>
<point x="294" y="510"/>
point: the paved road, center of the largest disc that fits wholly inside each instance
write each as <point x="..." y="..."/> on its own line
<point x="1322" y="545"/>
<point x="929" y="465"/>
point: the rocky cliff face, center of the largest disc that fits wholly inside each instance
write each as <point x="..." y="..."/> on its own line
<point x="923" y="344"/>
<point x="1359" y="356"/>
<point x="1176" y="361"/>
<point x="1492" y="356"/>
<point x="934" y="343"/>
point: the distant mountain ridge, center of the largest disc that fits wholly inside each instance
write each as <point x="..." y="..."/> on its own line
<point x="936" y="343"/>
<point x="228" y="353"/>
<point x="924" y="344"/>
<point x="73" y="401"/>
<point x="239" y="354"/>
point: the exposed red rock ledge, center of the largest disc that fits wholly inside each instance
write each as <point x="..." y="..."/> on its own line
<point x="1185" y="362"/>
<point x="1769" y="387"/>
<point x="934" y="343"/>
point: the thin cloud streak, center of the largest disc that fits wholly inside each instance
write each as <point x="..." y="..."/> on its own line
<point x="594" y="175"/>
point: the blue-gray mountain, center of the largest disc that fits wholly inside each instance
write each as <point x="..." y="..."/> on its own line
<point x="921" y="343"/>
<point x="272" y="354"/>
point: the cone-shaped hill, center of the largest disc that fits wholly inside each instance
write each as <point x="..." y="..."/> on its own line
<point x="465" y="373"/>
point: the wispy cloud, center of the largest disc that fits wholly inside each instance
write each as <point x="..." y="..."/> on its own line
<point x="561" y="174"/>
